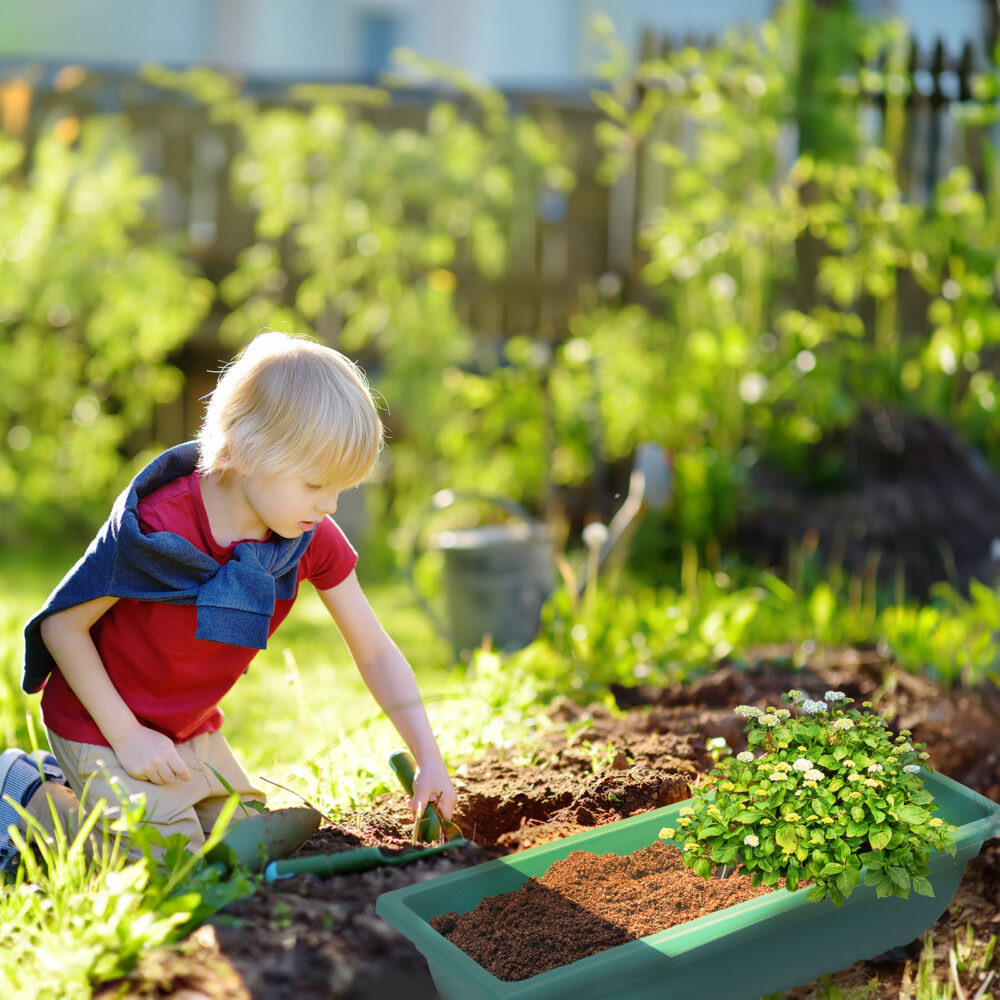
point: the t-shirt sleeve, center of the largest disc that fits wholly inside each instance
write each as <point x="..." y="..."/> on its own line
<point x="329" y="558"/>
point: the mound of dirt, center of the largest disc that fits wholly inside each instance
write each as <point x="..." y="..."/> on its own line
<point x="910" y="501"/>
<point x="316" y="939"/>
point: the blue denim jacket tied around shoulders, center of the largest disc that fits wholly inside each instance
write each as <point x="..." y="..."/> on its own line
<point x="235" y="601"/>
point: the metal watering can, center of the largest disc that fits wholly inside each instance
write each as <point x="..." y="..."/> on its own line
<point x="498" y="576"/>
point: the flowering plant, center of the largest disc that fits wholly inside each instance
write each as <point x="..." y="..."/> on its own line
<point x="824" y="795"/>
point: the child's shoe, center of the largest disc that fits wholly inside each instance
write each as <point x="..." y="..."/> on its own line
<point x="21" y="775"/>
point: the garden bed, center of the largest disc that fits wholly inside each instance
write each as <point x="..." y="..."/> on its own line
<point x="308" y="938"/>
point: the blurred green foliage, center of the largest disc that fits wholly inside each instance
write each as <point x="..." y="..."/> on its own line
<point x="777" y="271"/>
<point x="91" y="304"/>
<point x="782" y="275"/>
<point x="362" y="230"/>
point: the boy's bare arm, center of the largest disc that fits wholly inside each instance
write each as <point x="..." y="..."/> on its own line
<point x="390" y="679"/>
<point x="142" y="752"/>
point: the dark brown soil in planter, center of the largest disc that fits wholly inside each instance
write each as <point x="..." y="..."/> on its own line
<point x="585" y="904"/>
<point x="320" y="940"/>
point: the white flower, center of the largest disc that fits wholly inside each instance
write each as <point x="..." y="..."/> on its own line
<point x="871" y="782"/>
<point x="746" y="757"/>
<point x="843" y="724"/>
<point x="904" y="747"/>
<point x="778" y="775"/>
<point x="813" y="774"/>
<point x="747" y="711"/>
<point x="813" y="707"/>
<point x="768" y="720"/>
<point x="911" y="768"/>
<point x="835" y="696"/>
<point x="802" y="764"/>
<point x="875" y="769"/>
<point x="595" y="535"/>
<point x="783" y="713"/>
<point x="854" y="777"/>
<point x="751" y="840"/>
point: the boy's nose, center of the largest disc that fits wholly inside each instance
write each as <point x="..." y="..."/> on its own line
<point x="328" y="504"/>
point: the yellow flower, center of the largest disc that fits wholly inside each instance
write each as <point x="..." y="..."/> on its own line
<point x="686" y="811"/>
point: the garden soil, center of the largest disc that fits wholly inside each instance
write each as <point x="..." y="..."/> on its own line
<point x="312" y="939"/>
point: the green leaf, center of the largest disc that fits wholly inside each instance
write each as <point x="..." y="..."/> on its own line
<point x="607" y="103"/>
<point x="833" y="868"/>
<point x="703" y="868"/>
<point x="899" y="877"/>
<point x="816" y="894"/>
<point x="847" y="880"/>
<point x="879" y="837"/>
<point x="785" y="837"/>
<point x="712" y="830"/>
<point x="857" y="829"/>
<point x="922" y="886"/>
<point x="913" y="815"/>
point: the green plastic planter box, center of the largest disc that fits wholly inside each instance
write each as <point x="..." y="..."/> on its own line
<point x="771" y="943"/>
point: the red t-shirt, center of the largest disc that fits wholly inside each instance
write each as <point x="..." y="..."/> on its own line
<point x="172" y="681"/>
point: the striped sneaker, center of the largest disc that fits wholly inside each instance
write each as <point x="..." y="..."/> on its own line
<point x="21" y="775"/>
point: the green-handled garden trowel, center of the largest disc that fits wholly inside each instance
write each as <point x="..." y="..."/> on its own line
<point x="432" y="826"/>
<point x="361" y="859"/>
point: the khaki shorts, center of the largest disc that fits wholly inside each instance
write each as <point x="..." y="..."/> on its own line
<point x="186" y="807"/>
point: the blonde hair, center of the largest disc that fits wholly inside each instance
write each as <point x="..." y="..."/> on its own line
<point x="286" y="404"/>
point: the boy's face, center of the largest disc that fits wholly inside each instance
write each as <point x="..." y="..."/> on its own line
<point x="288" y="503"/>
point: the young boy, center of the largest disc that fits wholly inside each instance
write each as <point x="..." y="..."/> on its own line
<point x="198" y="564"/>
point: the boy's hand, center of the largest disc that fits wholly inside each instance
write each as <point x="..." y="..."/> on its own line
<point x="151" y="756"/>
<point x="432" y="784"/>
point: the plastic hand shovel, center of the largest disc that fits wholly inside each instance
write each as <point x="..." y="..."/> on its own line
<point x="432" y="826"/>
<point x="256" y="841"/>
<point x="346" y="862"/>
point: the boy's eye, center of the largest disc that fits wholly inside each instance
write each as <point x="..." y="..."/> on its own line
<point x="313" y="486"/>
